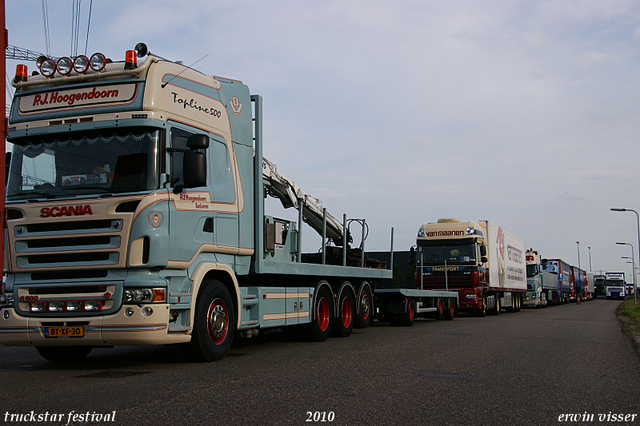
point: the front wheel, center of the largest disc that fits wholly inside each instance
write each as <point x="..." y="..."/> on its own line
<point x="63" y="353"/>
<point x="214" y="323"/>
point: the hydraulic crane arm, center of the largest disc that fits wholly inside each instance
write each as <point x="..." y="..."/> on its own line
<point x="281" y="187"/>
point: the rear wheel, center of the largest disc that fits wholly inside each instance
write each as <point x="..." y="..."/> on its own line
<point x="409" y="316"/>
<point x="344" y="324"/>
<point x="63" y="353"/>
<point x="440" y="309"/>
<point x="365" y="313"/>
<point x="214" y="323"/>
<point x="450" y="312"/>
<point x="320" y="326"/>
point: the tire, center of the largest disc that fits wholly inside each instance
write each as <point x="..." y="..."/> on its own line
<point x="408" y="318"/>
<point x="483" y="311"/>
<point x="343" y="326"/>
<point x="364" y="318"/>
<point x="214" y="323"/>
<point x="64" y="353"/>
<point x="497" y="310"/>
<point x="320" y="327"/>
<point x="450" y="312"/>
<point x="440" y="309"/>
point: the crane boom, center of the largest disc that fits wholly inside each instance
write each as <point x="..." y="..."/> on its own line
<point x="290" y="195"/>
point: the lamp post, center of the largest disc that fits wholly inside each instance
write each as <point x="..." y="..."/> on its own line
<point x="589" y="259"/>
<point x="633" y="270"/>
<point x="638" y="228"/>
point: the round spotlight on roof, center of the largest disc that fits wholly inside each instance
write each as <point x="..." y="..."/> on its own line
<point x="64" y="66"/>
<point x="141" y="50"/>
<point x="81" y="64"/>
<point x="47" y="67"/>
<point x="98" y="62"/>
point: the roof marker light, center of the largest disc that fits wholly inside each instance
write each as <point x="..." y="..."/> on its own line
<point x="21" y="73"/>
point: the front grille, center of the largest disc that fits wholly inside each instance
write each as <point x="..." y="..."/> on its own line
<point x="97" y="225"/>
<point x="69" y="244"/>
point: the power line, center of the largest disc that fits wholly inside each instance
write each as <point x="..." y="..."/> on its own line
<point x="45" y="18"/>
<point x="86" y="43"/>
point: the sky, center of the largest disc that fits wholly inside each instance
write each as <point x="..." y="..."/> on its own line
<point x="525" y="113"/>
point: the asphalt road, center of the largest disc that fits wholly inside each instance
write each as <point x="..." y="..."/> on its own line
<point x="527" y="368"/>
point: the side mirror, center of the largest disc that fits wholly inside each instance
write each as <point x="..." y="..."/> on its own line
<point x="198" y="141"/>
<point x="194" y="164"/>
<point x="412" y="257"/>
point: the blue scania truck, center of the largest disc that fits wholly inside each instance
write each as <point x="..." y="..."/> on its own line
<point x="135" y="208"/>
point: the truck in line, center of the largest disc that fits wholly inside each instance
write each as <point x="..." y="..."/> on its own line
<point x="542" y="286"/>
<point x="599" y="285"/>
<point x="615" y="285"/>
<point x="562" y="270"/>
<point x="578" y="285"/>
<point x="135" y="215"/>
<point x="479" y="260"/>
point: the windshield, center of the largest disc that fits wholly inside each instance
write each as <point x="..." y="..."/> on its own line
<point x="532" y="270"/>
<point x="454" y="254"/>
<point x="110" y="160"/>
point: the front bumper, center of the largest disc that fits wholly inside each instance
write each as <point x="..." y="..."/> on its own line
<point x="108" y="330"/>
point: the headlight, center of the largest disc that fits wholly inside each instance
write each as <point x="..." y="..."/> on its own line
<point x="472" y="296"/>
<point x="144" y="295"/>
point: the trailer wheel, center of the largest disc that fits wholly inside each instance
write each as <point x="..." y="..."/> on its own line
<point x="346" y="307"/>
<point x="214" y="323"/>
<point x="450" y="312"/>
<point x="64" y="353"/>
<point x="365" y="314"/>
<point x="440" y="309"/>
<point x="409" y="316"/>
<point x="320" y="327"/>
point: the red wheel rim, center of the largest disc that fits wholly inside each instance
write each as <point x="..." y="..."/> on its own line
<point x="411" y="311"/>
<point x="364" y="306"/>
<point x="451" y="307"/>
<point x="440" y="306"/>
<point x="346" y="312"/>
<point x="217" y="321"/>
<point x="323" y="314"/>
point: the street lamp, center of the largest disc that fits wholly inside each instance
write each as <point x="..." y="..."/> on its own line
<point x="589" y="259"/>
<point x="638" y="227"/>
<point x="633" y="270"/>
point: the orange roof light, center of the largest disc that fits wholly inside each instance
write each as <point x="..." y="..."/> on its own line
<point x="21" y="73"/>
<point x="130" y="61"/>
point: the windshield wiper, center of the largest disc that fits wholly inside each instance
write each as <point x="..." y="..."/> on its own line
<point x="32" y="194"/>
<point x="101" y="188"/>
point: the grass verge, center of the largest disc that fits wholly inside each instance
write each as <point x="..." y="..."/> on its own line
<point x="629" y="315"/>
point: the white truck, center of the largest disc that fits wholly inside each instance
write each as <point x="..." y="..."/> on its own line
<point x="614" y="285"/>
<point x="480" y="260"/>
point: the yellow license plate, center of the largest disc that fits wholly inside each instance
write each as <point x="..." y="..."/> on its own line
<point x="64" y="332"/>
